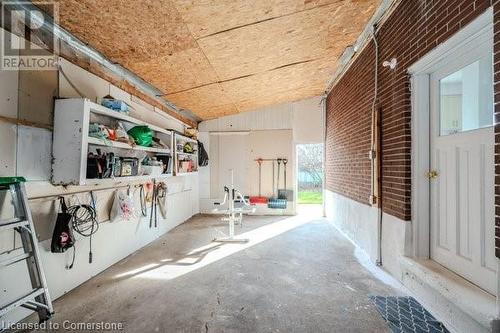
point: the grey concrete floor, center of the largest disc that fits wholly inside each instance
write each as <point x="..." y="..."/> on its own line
<point x="297" y="274"/>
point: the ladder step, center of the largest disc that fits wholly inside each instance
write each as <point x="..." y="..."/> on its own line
<point x="11" y="220"/>
<point x="14" y="224"/>
<point x="25" y="299"/>
<point x="14" y="259"/>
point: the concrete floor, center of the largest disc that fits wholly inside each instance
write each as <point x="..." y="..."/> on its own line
<point x="297" y="274"/>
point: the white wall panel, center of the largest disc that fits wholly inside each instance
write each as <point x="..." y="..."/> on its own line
<point x="275" y="117"/>
<point x="34" y="153"/>
<point x="8" y="138"/>
<point x="87" y="83"/>
<point x="8" y="87"/>
<point x="308" y="121"/>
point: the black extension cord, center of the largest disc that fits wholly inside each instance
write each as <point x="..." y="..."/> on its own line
<point x="84" y="220"/>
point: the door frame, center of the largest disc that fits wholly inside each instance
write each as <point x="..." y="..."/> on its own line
<point x="475" y="32"/>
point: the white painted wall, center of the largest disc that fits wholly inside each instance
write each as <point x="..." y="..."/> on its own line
<point x="26" y="151"/>
<point x="272" y="132"/>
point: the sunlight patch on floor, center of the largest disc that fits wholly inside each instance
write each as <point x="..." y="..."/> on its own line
<point x="168" y="269"/>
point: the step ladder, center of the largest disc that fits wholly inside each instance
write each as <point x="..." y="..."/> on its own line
<point x="38" y="299"/>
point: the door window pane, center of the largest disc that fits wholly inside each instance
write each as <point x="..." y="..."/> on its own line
<point x="466" y="98"/>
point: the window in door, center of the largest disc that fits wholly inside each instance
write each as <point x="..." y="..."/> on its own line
<point x="466" y="98"/>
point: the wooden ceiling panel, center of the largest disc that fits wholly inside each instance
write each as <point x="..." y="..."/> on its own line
<point x="284" y="96"/>
<point x="220" y="57"/>
<point x="209" y="17"/>
<point x="126" y="31"/>
<point x="308" y="35"/>
<point x="283" y="80"/>
<point x="178" y="72"/>
<point x="203" y="101"/>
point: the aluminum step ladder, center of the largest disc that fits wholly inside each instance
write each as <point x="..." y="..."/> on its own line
<point x="38" y="299"/>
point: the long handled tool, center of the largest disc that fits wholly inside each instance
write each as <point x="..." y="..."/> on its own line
<point x="274" y="193"/>
<point x="260" y="199"/>
<point x="285" y="193"/>
<point x="277" y="203"/>
<point x="278" y="179"/>
<point x="154" y="202"/>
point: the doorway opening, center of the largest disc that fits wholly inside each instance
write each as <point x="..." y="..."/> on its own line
<point x="310" y="174"/>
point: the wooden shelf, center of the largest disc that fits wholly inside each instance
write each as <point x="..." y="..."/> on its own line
<point x="186" y="173"/>
<point x="187" y="154"/>
<point x="102" y="110"/>
<point x="123" y="145"/>
<point x="185" y="138"/>
<point x="99" y="181"/>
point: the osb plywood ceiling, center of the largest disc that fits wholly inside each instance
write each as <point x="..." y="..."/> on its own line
<point x="220" y="57"/>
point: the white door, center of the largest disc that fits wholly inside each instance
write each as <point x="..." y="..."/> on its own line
<point x="462" y="152"/>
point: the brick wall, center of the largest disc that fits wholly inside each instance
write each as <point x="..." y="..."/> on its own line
<point x="496" y="81"/>
<point x="412" y="30"/>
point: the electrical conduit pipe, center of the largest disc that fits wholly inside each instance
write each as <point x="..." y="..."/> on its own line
<point x="374" y="154"/>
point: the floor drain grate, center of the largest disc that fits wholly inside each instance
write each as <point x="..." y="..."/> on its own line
<point x="405" y="315"/>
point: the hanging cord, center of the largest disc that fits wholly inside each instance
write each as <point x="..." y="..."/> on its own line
<point x="84" y="220"/>
<point x="59" y="67"/>
<point x="73" y="260"/>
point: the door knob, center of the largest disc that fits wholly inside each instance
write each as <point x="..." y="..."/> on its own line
<point x="432" y="174"/>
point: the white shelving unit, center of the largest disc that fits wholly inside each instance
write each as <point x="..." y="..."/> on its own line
<point x="72" y="143"/>
<point x="181" y="156"/>
<point x="123" y="145"/>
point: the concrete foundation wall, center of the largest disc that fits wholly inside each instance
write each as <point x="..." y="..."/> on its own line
<point x="359" y="223"/>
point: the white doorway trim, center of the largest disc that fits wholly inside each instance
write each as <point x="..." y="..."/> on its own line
<point x="474" y="33"/>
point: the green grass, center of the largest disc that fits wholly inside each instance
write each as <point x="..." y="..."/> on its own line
<point x="308" y="197"/>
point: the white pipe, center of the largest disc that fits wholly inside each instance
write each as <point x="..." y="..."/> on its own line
<point x="323" y="115"/>
<point x="375" y="153"/>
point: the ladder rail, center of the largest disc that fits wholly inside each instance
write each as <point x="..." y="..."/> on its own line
<point x="30" y="244"/>
<point x="38" y="299"/>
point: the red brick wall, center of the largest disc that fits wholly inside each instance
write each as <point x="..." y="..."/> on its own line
<point x="413" y="29"/>
<point x="496" y="81"/>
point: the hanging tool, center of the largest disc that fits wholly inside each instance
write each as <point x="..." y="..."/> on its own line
<point x="278" y="178"/>
<point x="153" y="206"/>
<point x="260" y="199"/>
<point x="142" y="199"/>
<point x="260" y="177"/>
<point x="277" y="203"/>
<point x="274" y="193"/>
<point x="284" y="193"/>
<point x="38" y="299"/>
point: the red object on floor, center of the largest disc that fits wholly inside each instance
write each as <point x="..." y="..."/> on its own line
<point x="258" y="200"/>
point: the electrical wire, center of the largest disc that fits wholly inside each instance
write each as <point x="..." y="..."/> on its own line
<point x="69" y="81"/>
<point x="84" y="220"/>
